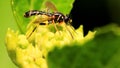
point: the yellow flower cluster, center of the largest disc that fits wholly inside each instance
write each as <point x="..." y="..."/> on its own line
<point x="32" y="52"/>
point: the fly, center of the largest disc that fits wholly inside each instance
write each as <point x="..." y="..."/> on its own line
<point x="51" y="17"/>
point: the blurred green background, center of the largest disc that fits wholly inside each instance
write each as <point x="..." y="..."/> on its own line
<point x="6" y="20"/>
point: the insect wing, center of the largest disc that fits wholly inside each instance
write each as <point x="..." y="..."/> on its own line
<point x="63" y="6"/>
<point x="40" y="19"/>
<point x="51" y="6"/>
<point x="19" y="7"/>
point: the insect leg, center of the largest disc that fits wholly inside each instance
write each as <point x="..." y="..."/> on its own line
<point x="55" y="26"/>
<point x="32" y="32"/>
<point x="68" y="21"/>
<point x="69" y="31"/>
<point x="71" y="27"/>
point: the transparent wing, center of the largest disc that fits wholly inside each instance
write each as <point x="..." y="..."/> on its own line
<point x="63" y="6"/>
<point x="19" y="7"/>
<point x="51" y="6"/>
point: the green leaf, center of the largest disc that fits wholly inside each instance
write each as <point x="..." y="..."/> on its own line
<point x="101" y="52"/>
<point x="19" y="7"/>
